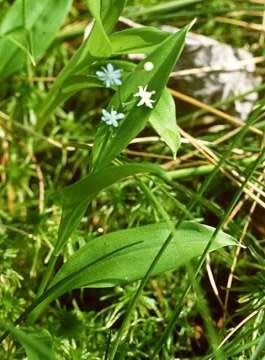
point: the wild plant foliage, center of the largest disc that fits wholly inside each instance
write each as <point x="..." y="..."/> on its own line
<point x="139" y="98"/>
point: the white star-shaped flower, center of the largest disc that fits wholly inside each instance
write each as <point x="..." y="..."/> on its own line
<point x="145" y="97"/>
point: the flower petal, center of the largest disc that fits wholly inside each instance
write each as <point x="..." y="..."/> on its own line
<point x="110" y="67"/>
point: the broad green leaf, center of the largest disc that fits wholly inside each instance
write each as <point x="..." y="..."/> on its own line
<point x="142" y="40"/>
<point x="103" y="48"/>
<point x="83" y="58"/>
<point x="20" y="39"/>
<point x="108" y="145"/>
<point x="110" y="12"/>
<point x="43" y="19"/>
<point x="77" y="83"/>
<point x="95" y="8"/>
<point x="37" y="345"/>
<point x="80" y="82"/>
<point x="124" y="256"/>
<point x="75" y="198"/>
<point x="163" y="120"/>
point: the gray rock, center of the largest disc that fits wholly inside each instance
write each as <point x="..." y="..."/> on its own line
<point x="215" y="72"/>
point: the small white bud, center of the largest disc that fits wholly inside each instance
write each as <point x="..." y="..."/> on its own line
<point x="148" y="66"/>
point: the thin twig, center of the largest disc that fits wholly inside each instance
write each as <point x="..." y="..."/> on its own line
<point x="240" y="65"/>
<point x="243" y="322"/>
<point x="212" y="281"/>
<point x="231" y="119"/>
<point x="233" y="175"/>
<point x="240" y="23"/>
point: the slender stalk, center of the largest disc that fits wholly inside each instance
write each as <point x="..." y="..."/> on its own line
<point x="168" y="6"/>
<point x="133" y="302"/>
<point x="172" y="323"/>
<point x="229" y="118"/>
<point x="42" y="288"/>
<point x="47" y="275"/>
<point x="142" y="284"/>
<point x="203" y="188"/>
<point x="200" y="170"/>
<point x="194" y="115"/>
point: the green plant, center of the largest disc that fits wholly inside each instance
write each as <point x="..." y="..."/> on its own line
<point x="139" y="100"/>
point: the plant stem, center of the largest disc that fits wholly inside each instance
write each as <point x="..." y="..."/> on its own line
<point x="133" y="303"/>
<point x="173" y="321"/>
<point x="253" y="118"/>
<point x="47" y="275"/>
<point x="200" y="170"/>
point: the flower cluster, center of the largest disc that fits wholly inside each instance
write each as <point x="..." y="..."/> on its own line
<point x="111" y="76"/>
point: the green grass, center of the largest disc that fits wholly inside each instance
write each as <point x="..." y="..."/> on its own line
<point x="180" y="306"/>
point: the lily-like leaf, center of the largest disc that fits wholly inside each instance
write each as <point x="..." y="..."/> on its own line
<point x="138" y="41"/>
<point x="163" y="120"/>
<point x="75" y="198"/>
<point x="37" y="344"/>
<point x="103" y="48"/>
<point x="43" y="19"/>
<point x="124" y="256"/>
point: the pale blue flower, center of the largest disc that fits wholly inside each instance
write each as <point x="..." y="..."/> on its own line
<point x="111" y="118"/>
<point x="109" y="75"/>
